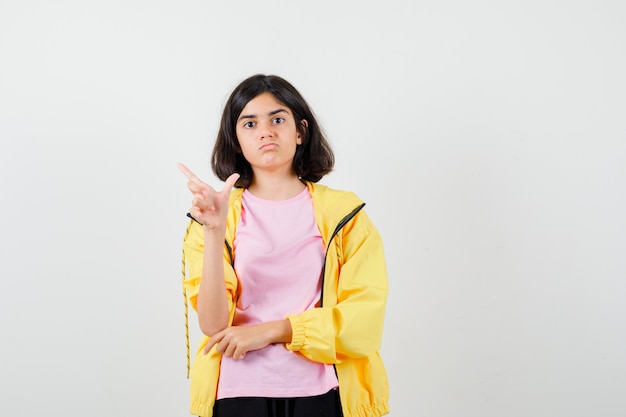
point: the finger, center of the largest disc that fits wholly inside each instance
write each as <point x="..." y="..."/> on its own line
<point x="190" y="175"/>
<point x="196" y="188"/>
<point x="239" y="353"/>
<point x="212" y="341"/>
<point x="230" y="183"/>
<point x="229" y="350"/>
<point x="196" y="213"/>
<point x="201" y="204"/>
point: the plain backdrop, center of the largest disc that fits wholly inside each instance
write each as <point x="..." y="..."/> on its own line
<point x="488" y="139"/>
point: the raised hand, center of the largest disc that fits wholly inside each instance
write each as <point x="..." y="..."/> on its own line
<point x="209" y="207"/>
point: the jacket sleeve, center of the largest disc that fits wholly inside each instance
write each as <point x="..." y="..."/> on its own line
<point x="351" y="325"/>
<point x="193" y="255"/>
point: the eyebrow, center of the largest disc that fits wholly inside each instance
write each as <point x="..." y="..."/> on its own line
<point x="253" y="116"/>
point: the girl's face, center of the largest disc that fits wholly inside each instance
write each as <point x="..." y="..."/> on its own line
<point x="267" y="134"/>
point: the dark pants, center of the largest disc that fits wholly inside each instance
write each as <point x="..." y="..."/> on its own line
<point x="325" y="405"/>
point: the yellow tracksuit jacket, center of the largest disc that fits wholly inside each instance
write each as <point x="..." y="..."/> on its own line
<point x="345" y="331"/>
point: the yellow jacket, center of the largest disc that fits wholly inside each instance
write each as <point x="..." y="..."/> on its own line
<point x="345" y="331"/>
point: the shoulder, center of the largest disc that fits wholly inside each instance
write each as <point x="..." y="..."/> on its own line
<point x="335" y="207"/>
<point x="333" y="199"/>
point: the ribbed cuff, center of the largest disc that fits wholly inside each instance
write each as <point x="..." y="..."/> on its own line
<point x="297" y="333"/>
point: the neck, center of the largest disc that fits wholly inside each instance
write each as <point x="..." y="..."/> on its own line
<point x="276" y="188"/>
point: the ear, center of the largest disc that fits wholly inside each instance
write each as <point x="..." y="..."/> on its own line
<point x="304" y="125"/>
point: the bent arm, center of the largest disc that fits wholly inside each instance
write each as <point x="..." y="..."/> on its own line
<point x="352" y="325"/>
<point x="212" y="303"/>
<point x="211" y="282"/>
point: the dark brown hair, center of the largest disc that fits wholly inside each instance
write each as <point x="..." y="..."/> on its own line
<point x="313" y="159"/>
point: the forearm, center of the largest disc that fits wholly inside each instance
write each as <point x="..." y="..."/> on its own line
<point x="212" y="303"/>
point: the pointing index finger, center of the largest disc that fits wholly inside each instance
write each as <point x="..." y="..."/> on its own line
<point x="190" y="175"/>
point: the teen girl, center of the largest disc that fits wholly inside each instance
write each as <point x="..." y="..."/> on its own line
<point x="287" y="276"/>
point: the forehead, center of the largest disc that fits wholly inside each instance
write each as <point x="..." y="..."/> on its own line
<point x="263" y="104"/>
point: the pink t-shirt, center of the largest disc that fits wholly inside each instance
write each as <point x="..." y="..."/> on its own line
<point x="279" y="254"/>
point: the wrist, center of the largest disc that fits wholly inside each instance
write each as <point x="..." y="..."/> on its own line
<point x="219" y="231"/>
<point x="280" y="331"/>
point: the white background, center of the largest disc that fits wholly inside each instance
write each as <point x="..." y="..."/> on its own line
<point x="487" y="137"/>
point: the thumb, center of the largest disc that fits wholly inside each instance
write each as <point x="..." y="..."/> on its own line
<point x="230" y="183"/>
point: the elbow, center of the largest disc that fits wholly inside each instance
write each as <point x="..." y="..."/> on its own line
<point x="212" y="327"/>
<point x="212" y="319"/>
<point x="359" y="350"/>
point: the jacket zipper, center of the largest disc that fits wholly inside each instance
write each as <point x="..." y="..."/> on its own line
<point x="340" y="226"/>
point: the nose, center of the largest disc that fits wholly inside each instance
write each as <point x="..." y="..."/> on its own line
<point x="266" y="130"/>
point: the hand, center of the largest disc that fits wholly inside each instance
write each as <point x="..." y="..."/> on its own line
<point x="234" y="342"/>
<point x="209" y="207"/>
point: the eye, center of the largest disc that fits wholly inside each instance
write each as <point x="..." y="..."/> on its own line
<point x="248" y="125"/>
<point x="278" y="120"/>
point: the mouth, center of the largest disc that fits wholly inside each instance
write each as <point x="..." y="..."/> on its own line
<point x="266" y="146"/>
